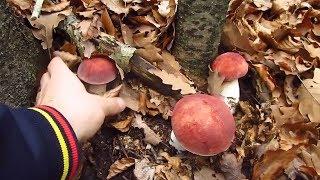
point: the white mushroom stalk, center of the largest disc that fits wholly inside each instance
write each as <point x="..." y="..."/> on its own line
<point x="231" y="94"/>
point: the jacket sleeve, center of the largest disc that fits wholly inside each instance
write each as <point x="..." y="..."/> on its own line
<point x="36" y="143"/>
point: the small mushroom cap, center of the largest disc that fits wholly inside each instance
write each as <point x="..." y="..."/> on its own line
<point x="97" y="70"/>
<point x="203" y="124"/>
<point x="230" y="65"/>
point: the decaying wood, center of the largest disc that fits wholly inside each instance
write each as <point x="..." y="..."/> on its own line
<point x="122" y="54"/>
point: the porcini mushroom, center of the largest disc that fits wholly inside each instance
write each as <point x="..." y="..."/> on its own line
<point x="202" y="124"/>
<point x="97" y="71"/>
<point x="224" y="73"/>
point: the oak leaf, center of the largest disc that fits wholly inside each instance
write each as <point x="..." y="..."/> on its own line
<point x="45" y="25"/>
<point x="309" y="97"/>
<point x="177" y="83"/>
<point x="119" y="166"/>
<point x="150" y="136"/>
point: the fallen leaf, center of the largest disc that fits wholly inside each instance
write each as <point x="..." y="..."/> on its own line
<point x="120" y="166"/>
<point x="68" y="58"/>
<point x="150" y="53"/>
<point x="113" y="92"/>
<point x="69" y="47"/>
<point x="117" y="6"/>
<point x="107" y="23"/>
<point x="52" y="7"/>
<point x="297" y="134"/>
<point x="309" y="97"/>
<point x="143" y="170"/>
<point x="89" y="48"/>
<point x="311" y="156"/>
<point x="175" y="162"/>
<point x="231" y="167"/>
<point x="22" y="4"/>
<point x="286" y="115"/>
<point x="206" y="173"/>
<point x="214" y="83"/>
<point x="131" y="97"/>
<point x="262" y="5"/>
<point x="177" y="83"/>
<point x="273" y="163"/>
<point x="46" y="23"/>
<point x="150" y="136"/>
<point x="127" y="35"/>
<point x="123" y="125"/>
<point x="87" y="14"/>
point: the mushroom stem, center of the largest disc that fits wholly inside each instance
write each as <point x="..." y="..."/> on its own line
<point x="231" y="93"/>
<point x="175" y="143"/>
<point x="97" y="89"/>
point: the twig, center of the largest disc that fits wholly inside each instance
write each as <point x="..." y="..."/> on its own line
<point x="36" y="9"/>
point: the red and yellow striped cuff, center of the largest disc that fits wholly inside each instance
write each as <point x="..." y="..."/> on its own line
<point x="66" y="138"/>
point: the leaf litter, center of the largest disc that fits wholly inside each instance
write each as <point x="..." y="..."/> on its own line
<point x="277" y="125"/>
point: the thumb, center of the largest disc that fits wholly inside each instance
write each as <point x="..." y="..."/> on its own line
<point x="112" y="106"/>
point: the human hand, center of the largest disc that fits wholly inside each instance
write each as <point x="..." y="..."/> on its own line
<point x="62" y="90"/>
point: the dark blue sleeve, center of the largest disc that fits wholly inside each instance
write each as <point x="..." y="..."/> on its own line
<point x="29" y="146"/>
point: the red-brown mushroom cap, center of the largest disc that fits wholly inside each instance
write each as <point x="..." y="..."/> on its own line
<point x="97" y="70"/>
<point x="203" y="124"/>
<point x="230" y="65"/>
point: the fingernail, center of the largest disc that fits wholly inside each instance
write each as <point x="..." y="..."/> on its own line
<point x="121" y="103"/>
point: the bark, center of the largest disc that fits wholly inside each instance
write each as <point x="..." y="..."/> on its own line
<point x="199" y="24"/>
<point x="21" y="60"/>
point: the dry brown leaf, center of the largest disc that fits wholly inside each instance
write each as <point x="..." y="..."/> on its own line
<point x="177" y="83"/>
<point x="273" y="163"/>
<point x="22" y="4"/>
<point x="169" y="63"/>
<point x="286" y="115"/>
<point x="131" y="97"/>
<point x="107" y="23"/>
<point x="127" y="35"/>
<point x="262" y="5"/>
<point x="214" y="83"/>
<point x="150" y="136"/>
<point x="117" y="6"/>
<point x="174" y="162"/>
<point x="206" y="173"/>
<point x="123" y="125"/>
<point x="90" y="3"/>
<point x="89" y="48"/>
<point x="69" y="47"/>
<point x="231" y="167"/>
<point x="309" y="97"/>
<point x="46" y="24"/>
<point x="143" y="39"/>
<point x="51" y="7"/>
<point x="296" y="134"/>
<point x="113" y="92"/>
<point x="84" y="26"/>
<point x="311" y="156"/>
<point x="87" y="13"/>
<point x="290" y="90"/>
<point x="68" y="58"/>
<point x="265" y="76"/>
<point x="314" y="51"/>
<point x="120" y="166"/>
<point x="150" y="53"/>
